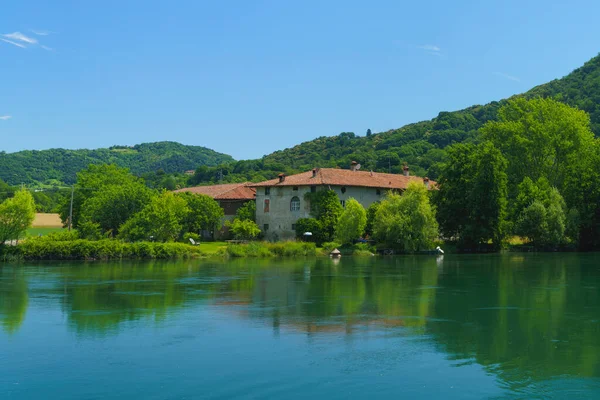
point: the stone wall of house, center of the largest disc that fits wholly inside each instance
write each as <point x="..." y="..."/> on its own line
<point x="278" y="223"/>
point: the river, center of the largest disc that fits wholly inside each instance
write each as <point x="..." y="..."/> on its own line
<point x="493" y="326"/>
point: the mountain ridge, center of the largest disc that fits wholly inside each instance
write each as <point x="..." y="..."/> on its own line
<point x="59" y="166"/>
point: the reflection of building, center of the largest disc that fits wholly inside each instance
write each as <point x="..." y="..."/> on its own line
<point x="230" y="196"/>
<point x="282" y="201"/>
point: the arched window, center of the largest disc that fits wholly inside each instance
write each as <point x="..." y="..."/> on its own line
<point x="295" y="204"/>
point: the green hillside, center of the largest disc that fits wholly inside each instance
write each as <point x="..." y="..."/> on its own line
<point x="60" y="165"/>
<point x="421" y="144"/>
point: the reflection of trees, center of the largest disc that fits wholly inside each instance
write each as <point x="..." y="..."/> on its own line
<point x="318" y="295"/>
<point x="13" y="298"/>
<point x="98" y="297"/>
<point x="532" y="315"/>
<point x="528" y="316"/>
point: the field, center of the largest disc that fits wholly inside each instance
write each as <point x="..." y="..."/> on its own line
<point x="43" y="220"/>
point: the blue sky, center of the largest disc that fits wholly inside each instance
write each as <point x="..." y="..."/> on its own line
<point x="250" y="77"/>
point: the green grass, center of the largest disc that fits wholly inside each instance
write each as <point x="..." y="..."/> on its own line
<point x="42" y="231"/>
<point x="212" y="247"/>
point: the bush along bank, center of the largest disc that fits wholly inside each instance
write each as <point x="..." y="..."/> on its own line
<point x="266" y="249"/>
<point x="105" y="249"/>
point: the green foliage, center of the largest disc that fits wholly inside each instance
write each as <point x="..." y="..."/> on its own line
<point x="204" y="213"/>
<point x="114" y="204"/>
<point x="61" y="165"/>
<point x="407" y="222"/>
<point x="16" y="215"/>
<point x="92" y="181"/>
<point x="352" y="222"/>
<point x="326" y="208"/>
<point x="472" y="196"/>
<point x="161" y="220"/>
<point x="90" y="230"/>
<point x="247" y="211"/>
<point x="265" y="249"/>
<point x="540" y="214"/>
<point x="47" y="248"/>
<point x="311" y="225"/>
<point x="539" y="138"/>
<point x="328" y="247"/>
<point x="191" y="235"/>
<point x="244" y="229"/>
<point x="371" y="212"/>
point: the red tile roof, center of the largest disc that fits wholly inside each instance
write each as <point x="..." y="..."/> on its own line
<point x="228" y="191"/>
<point x="345" y="177"/>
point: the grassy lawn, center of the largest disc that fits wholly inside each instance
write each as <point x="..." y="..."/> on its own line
<point x="42" y="230"/>
<point x="212" y="247"/>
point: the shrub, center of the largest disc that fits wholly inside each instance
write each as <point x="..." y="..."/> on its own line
<point x="106" y="249"/>
<point x="191" y="235"/>
<point x="329" y="246"/>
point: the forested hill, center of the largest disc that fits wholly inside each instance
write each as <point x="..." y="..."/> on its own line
<point x="59" y="166"/>
<point x="420" y="144"/>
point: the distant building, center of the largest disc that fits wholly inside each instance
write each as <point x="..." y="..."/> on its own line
<point x="190" y="172"/>
<point x="281" y="202"/>
<point x="230" y="196"/>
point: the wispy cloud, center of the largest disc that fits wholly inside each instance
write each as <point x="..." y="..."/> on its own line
<point x="507" y="76"/>
<point x="5" y="117"/>
<point x="432" y="50"/>
<point x="23" y="41"/>
<point x="18" y="36"/>
<point x="14" y="43"/>
<point x="40" y="33"/>
<point x="430" y="47"/>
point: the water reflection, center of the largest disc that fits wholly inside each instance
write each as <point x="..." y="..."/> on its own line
<point x="524" y="318"/>
<point x="13" y="298"/>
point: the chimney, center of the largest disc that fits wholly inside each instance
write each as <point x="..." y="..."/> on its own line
<point x="405" y="170"/>
<point x="281" y="178"/>
<point x="314" y="171"/>
<point x="353" y="165"/>
<point x="426" y="182"/>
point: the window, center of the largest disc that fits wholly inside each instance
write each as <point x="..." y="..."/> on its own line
<point x="295" y="188"/>
<point x="343" y="189"/>
<point x="267" y="204"/>
<point x="295" y="204"/>
<point x="267" y="191"/>
<point x="313" y="189"/>
<point x="265" y="227"/>
<point x="378" y="192"/>
<point x="343" y="203"/>
<point x="293" y="227"/>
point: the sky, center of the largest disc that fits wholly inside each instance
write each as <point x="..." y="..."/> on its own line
<point x="247" y="78"/>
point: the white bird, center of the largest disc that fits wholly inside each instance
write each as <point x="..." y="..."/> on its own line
<point x="439" y="250"/>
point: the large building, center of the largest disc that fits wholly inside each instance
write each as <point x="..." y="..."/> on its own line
<point x="281" y="202"/>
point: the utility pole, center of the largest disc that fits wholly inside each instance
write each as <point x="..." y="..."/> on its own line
<point x="71" y="208"/>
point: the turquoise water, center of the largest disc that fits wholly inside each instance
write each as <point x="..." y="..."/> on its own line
<point x="495" y="326"/>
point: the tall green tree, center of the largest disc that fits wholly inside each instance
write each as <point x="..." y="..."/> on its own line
<point x="247" y="211"/>
<point x="161" y="220"/>
<point x="472" y="196"/>
<point x="115" y="204"/>
<point x="90" y="182"/>
<point x="327" y="209"/>
<point x="540" y="213"/>
<point x="205" y="213"/>
<point x="351" y="224"/>
<point x="582" y="193"/>
<point x="371" y="212"/>
<point x="407" y="222"/>
<point x="243" y="229"/>
<point x="16" y="215"/>
<point x="540" y="137"/>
